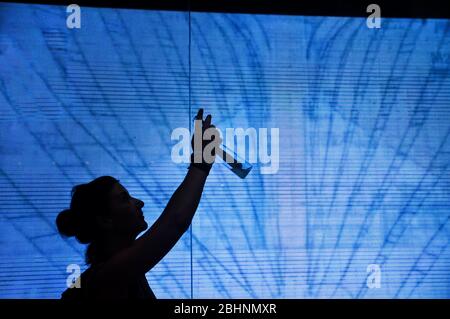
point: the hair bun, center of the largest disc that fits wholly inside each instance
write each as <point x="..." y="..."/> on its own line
<point x="88" y="201"/>
<point x="67" y="223"/>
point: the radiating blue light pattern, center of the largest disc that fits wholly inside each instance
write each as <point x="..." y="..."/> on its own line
<point x="364" y="122"/>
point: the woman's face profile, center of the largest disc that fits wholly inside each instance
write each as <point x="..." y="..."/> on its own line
<point x="126" y="212"/>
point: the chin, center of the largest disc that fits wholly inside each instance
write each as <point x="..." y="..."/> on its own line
<point x="144" y="225"/>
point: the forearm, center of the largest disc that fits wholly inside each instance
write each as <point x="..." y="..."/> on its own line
<point x="184" y="201"/>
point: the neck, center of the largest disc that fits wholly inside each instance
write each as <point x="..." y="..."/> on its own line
<point x="110" y="245"/>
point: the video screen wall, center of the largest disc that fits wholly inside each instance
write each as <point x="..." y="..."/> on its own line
<point x="357" y="204"/>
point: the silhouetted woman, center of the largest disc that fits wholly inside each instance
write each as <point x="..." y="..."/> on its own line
<point x="104" y="215"/>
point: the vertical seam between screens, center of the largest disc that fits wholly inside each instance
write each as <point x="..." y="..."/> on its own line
<point x="189" y="119"/>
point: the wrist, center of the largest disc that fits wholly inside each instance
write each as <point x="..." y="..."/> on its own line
<point x="203" y="166"/>
<point x="198" y="170"/>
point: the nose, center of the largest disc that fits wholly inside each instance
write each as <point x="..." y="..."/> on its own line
<point x="140" y="203"/>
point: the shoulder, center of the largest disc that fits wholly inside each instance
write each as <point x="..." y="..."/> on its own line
<point x="86" y="286"/>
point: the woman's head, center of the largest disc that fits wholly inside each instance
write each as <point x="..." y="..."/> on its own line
<point x="101" y="209"/>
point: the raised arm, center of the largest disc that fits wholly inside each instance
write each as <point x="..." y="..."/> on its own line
<point x="151" y="247"/>
<point x="156" y="242"/>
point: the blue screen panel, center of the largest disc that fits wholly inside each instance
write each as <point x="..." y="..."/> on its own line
<point x="358" y="206"/>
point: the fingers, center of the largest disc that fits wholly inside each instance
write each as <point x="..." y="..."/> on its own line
<point x="199" y="115"/>
<point x="208" y="121"/>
